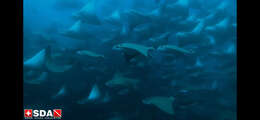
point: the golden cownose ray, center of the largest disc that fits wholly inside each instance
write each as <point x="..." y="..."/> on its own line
<point x="90" y="54"/>
<point x="77" y="31"/>
<point x="172" y="49"/>
<point x="143" y="50"/>
<point x="135" y="18"/>
<point x="42" y="77"/>
<point x="52" y="65"/>
<point x="163" y="103"/>
<point x="121" y="80"/>
<point x="37" y="61"/>
<point x="88" y="14"/>
<point x="44" y="59"/>
<point x="114" y="18"/>
<point x="160" y="40"/>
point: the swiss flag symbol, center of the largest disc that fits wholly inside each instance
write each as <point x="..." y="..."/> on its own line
<point x="57" y="113"/>
<point x="27" y="113"/>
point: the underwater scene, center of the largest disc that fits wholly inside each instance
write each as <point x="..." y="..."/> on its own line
<point x="131" y="59"/>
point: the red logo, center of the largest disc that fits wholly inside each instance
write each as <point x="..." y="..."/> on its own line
<point x="28" y="113"/>
<point x="57" y="113"/>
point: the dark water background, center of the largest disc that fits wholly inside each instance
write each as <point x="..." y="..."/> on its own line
<point x="209" y="100"/>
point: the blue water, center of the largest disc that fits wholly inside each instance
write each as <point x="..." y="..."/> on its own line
<point x="202" y="80"/>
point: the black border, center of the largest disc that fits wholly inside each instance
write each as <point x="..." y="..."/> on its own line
<point x="245" y="63"/>
<point x="11" y="59"/>
<point x="20" y="55"/>
<point x="238" y="46"/>
<point x="19" y="38"/>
